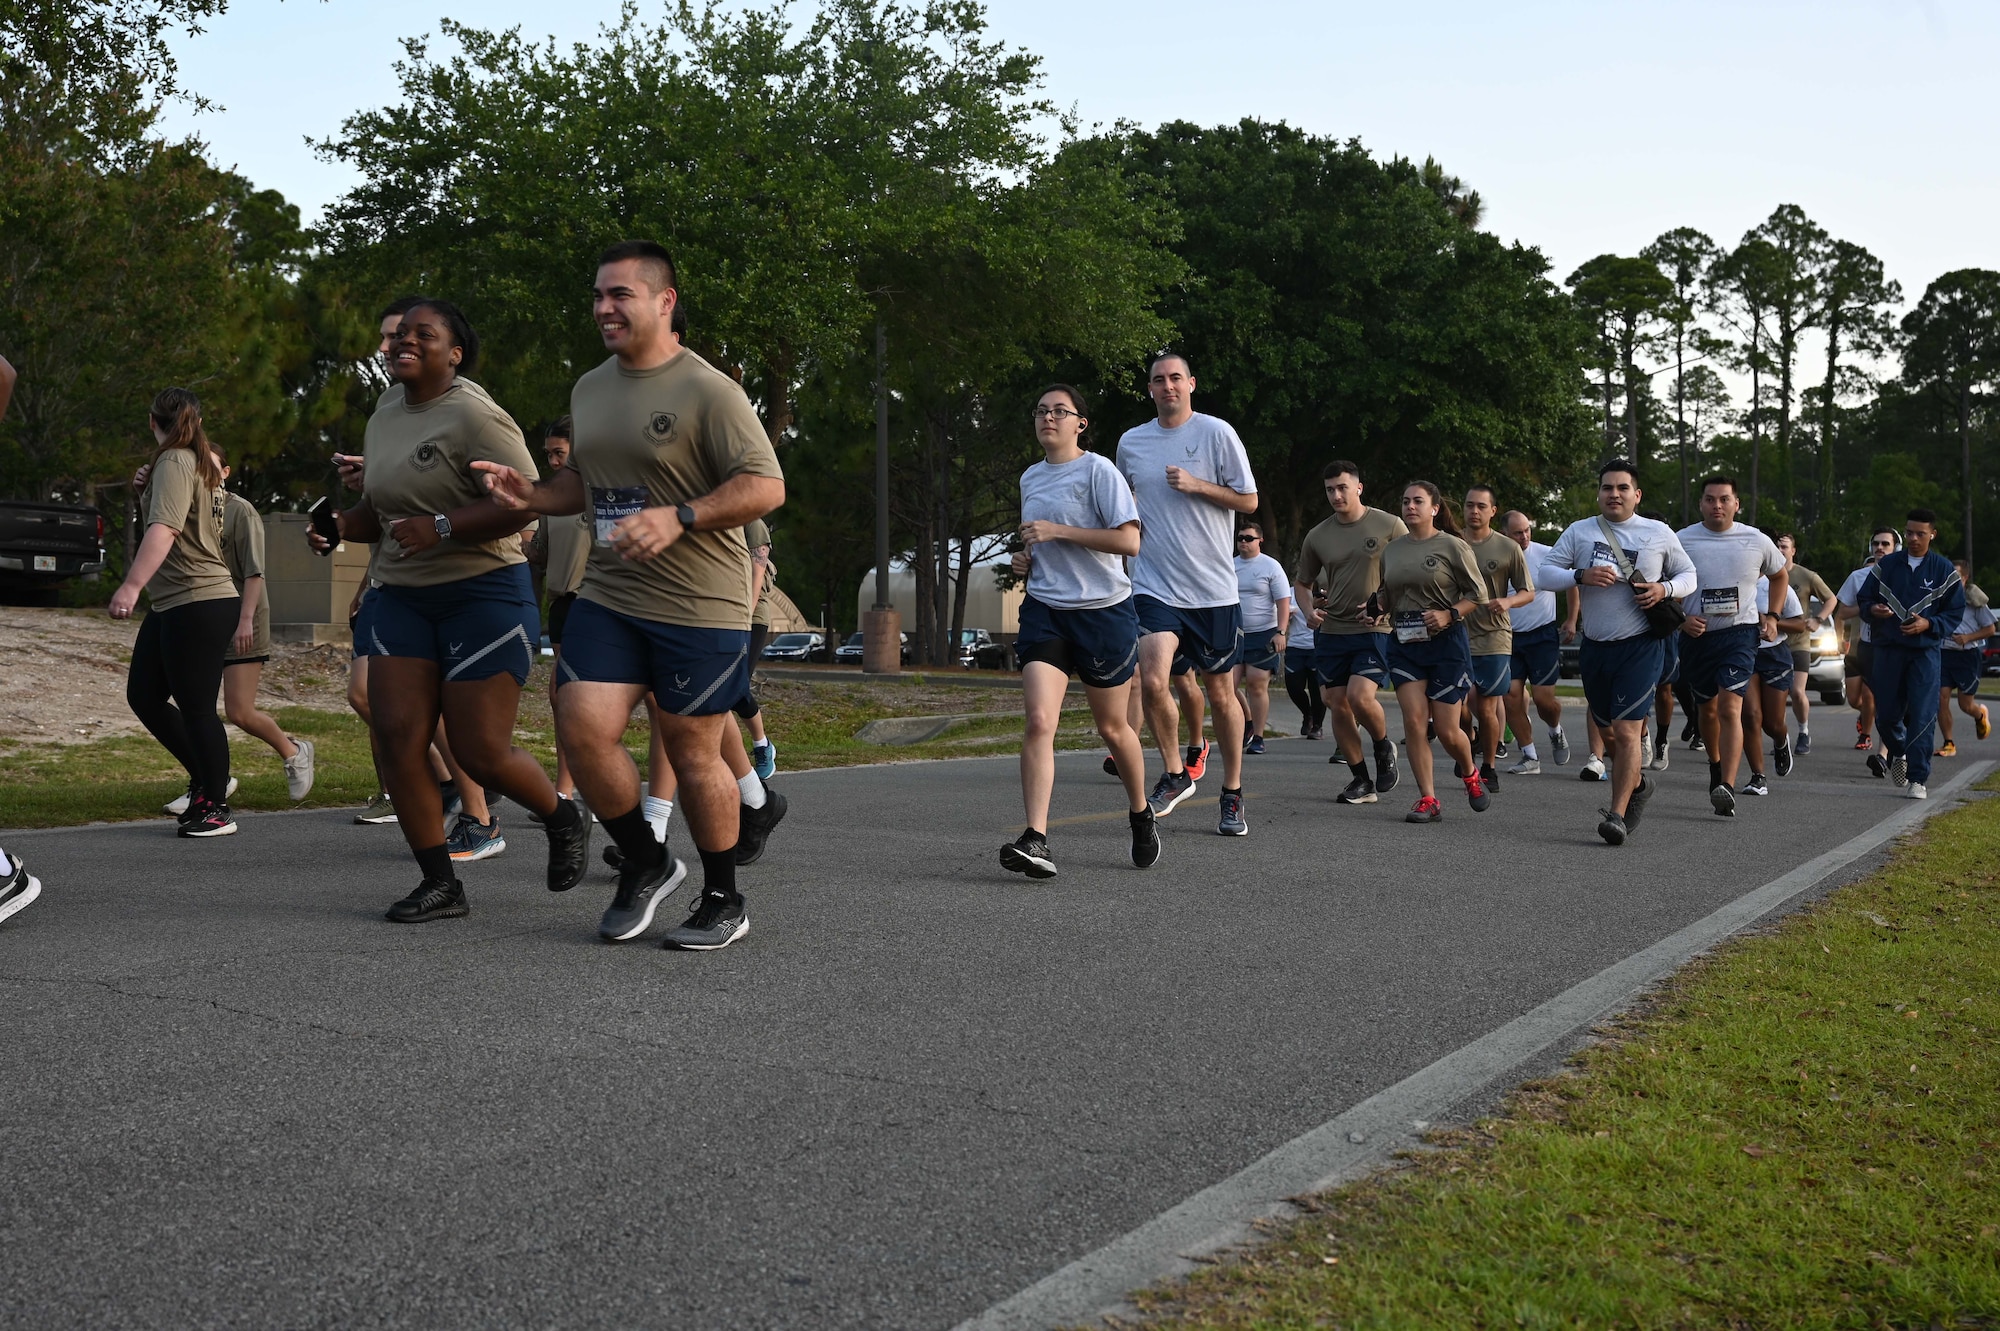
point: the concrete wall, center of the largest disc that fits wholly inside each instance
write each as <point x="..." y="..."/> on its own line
<point x="986" y="605"/>
<point x="309" y="593"/>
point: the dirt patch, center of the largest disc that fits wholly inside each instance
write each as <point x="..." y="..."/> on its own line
<point x="62" y="676"/>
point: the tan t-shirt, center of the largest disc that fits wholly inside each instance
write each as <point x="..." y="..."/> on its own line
<point x="243" y="551"/>
<point x="1810" y="586"/>
<point x="1349" y="554"/>
<point x="758" y="533"/>
<point x="420" y="463"/>
<point x="194" y="569"/>
<point x="1431" y="574"/>
<point x="1503" y="566"/>
<point x="568" y="542"/>
<point x="653" y="439"/>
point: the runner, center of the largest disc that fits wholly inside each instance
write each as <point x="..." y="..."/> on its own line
<point x="673" y="462"/>
<point x="1659" y="746"/>
<point x="1349" y="652"/>
<point x="250" y="647"/>
<point x="18" y="887"/>
<point x="1510" y="586"/>
<point x="1301" y="685"/>
<point x="562" y="544"/>
<point x="176" y="669"/>
<point x="1820" y="602"/>
<point x="450" y="621"/>
<point x="1190" y="474"/>
<point x="1764" y="705"/>
<point x="1910" y="599"/>
<point x="1430" y="583"/>
<point x="1719" y="654"/>
<point x="1188" y="697"/>
<point x="1265" y="597"/>
<point x="1078" y="521"/>
<point x="1959" y="661"/>
<point x="1537" y="663"/>
<point x="1860" y="658"/>
<point x="1620" y="655"/>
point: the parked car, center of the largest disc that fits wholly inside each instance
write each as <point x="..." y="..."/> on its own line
<point x="44" y="545"/>
<point x="801" y="648"/>
<point x="1826" y="672"/>
<point x="849" y="651"/>
<point x="979" y="650"/>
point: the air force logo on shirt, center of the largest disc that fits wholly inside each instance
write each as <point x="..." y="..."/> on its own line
<point x="660" y="429"/>
<point x="427" y="456"/>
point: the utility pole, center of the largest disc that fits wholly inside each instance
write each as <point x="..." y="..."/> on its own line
<point x="882" y="626"/>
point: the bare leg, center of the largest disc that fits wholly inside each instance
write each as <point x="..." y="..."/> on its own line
<point x="480" y="714"/>
<point x="1228" y="728"/>
<point x="1943" y="721"/>
<point x="1042" y="690"/>
<point x="1256" y="700"/>
<point x="590" y="724"/>
<point x="1345" y="732"/>
<point x="239" y="704"/>
<point x="1451" y="735"/>
<point x="661" y="783"/>
<point x="1627" y="743"/>
<point x="1156" y="661"/>
<point x="357" y="698"/>
<point x="469" y="790"/>
<point x="1548" y="706"/>
<point x="1749" y="727"/>
<point x="403" y="699"/>
<point x="1492" y="714"/>
<point x="1517" y="715"/>
<point x="1722" y="731"/>
<point x="1801" y="706"/>
<point x="1187" y="694"/>
<point x="565" y="783"/>
<point x="1416" y="729"/>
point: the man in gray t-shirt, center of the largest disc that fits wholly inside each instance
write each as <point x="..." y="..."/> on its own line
<point x="1191" y="476"/>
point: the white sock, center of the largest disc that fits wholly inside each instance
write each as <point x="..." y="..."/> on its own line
<point x="657" y="814"/>
<point x="6" y="865"/>
<point x="1553" y="732"/>
<point x="751" y="789"/>
<point x="1528" y="752"/>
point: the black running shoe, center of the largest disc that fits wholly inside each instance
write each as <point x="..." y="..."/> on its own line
<point x="431" y="901"/>
<point x="1028" y="854"/>
<point x="1635" y="807"/>
<point x="1145" y="839"/>
<point x="1110" y="766"/>
<point x="1386" y="775"/>
<point x="1489" y="775"/>
<point x="569" y="847"/>
<point x="1878" y="766"/>
<point x="206" y="818"/>
<point x="1168" y="792"/>
<point x="1781" y="759"/>
<point x="1756" y="785"/>
<point x="719" y="919"/>
<point x="1722" y="799"/>
<point x="641" y="889"/>
<point x="1359" y="791"/>
<point x="1612" y="828"/>
<point x="753" y="826"/>
<point x="20" y="889"/>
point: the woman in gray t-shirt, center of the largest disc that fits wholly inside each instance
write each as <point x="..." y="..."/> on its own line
<point x="1079" y="522"/>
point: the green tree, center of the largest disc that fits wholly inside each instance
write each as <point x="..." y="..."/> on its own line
<point x="1742" y="289"/>
<point x="1855" y="297"/>
<point x="1684" y="257"/>
<point x="1625" y="297"/>
<point x="1953" y="354"/>
<point x="1798" y="254"/>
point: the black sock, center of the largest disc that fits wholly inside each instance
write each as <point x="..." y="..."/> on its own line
<point x="1227" y="791"/>
<point x="1714" y="774"/>
<point x="566" y="816"/>
<point x="1036" y="834"/>
<point x="634" y="837"/>
<point x="1360" y="770"/>
<point x="1142" y="818"/>
<point x="435" y="861"/>
<point x="718" y="873"/>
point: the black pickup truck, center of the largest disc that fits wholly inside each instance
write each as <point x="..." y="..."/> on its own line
<point x="44" y="545"/>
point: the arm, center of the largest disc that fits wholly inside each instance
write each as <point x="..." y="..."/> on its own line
<point x="560" y="495"/>
<point x="146" y="561"/>
<point x="246" y="622"/>
<point x="733" y="503"/>
<point x="1780" y="584"/>
<point x="1219" y="495"/>
<point x="1120" y="540"/>
<point x="760" y="572"/>
<point x="8" y="376"/>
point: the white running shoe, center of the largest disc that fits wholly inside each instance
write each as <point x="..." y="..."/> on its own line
<point x="298" y="769"/>
<point x="178" y="805"/>
<point x="1593" y="769"/>
<point x="1526" y="767"/>
<point x="1916" y="791"/>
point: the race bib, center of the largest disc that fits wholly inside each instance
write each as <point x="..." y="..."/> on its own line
<point x="613" y="504"/>
<point x="1410" y="626"/>
<point x="1719" y="602"/>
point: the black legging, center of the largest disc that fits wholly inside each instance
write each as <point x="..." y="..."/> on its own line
<point x="747" y="706"/>
<point x="175" y="678"/>
<point x="1303" y="686"/>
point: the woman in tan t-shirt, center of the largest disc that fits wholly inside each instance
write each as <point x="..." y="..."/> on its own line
<point x="177" y="656"/>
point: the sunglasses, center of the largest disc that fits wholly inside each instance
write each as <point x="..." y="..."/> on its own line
<point x="1248" y="536"/>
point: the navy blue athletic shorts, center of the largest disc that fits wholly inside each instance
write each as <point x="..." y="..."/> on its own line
<point x="1620" y="677"/>
<point x="1959" y="670"/>
<point x="1670" y="658"/>
<point x="1336" y="656"/>
<point x="1298" y="660"/>
<point x="1100" y="647"/>
<point x="1260" y="651"/>
<point x="1493" y="674"/>
<point x="1538" y="655"/>
<point x="354" y="621"/>
<point x="1211" y="636"/>
<point x="689" y="671"/>
<point x="1443" y="664"/>
<point x="1774" y="667"/>
<point x="473" y="629"/>
<point x="1718" y="660"/>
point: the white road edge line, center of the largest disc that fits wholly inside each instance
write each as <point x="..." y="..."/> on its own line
<point x="1350" y="1144"/>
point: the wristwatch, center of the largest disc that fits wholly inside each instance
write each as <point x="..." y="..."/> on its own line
<point x="685" y="512"/>
<point x="443" y="525"/>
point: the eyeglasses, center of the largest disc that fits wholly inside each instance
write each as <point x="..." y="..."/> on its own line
<point x="1055" y="413"/>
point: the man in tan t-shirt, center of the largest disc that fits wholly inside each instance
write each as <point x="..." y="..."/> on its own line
<point x="1344" y="554"/>
<point x="669" y="464"/>
<point x="1503" y="566"/>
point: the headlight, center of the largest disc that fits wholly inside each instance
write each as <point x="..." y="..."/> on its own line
<point x="1826" y="641"/>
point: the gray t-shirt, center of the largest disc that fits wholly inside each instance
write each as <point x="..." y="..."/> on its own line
<point x="1850" y="594"/>
<point x="1975" y="618"/>
<point x="1609" y="613"/>
<point x="1728" y="564"/>
<point x="1086" y="491"/>
<point x="1261" y="584"/>
<point x="1187" y="546"/>
<point x="1541" y="611"/>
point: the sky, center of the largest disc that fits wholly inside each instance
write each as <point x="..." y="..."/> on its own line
<point x="1586" y="127"/>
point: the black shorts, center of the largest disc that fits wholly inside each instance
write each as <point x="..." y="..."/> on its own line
<point x="229" y="661"/>
<point x="558" y="614"/>
<point x="1211" y="636"/>
<point x="1100" y="647"/>
<point x="1860" y="660"/>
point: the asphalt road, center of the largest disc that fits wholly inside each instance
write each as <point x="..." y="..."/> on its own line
<point x="234" y="1096"/>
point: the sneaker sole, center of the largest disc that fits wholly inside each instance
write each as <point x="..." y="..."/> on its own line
<point x="1414" y="817"/>
<point x="1370" y="798"/>
<point x="673" y="944"/>
<point x="486" y="851"/>
<point x="1241" y="829"/>
<point x="660" y="893"/>
<point x="227" y="829"/>
<point x="24" y="899"/>
<point x="1155" y="848"/>
<point x="1722" y="801"/>
<point x="1015" y="860"/>
<point x="376" y="821"/>
<point x="1613" y="836"/>
<point x="1391" y="769"/>
<point x="457" y="910"/>
<point x="1173" y="803"/>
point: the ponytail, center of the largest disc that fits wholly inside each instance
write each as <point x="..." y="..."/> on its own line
<point x="1446" y="521"/>
<point x="177" y="414"/>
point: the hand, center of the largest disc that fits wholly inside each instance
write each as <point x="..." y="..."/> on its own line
<point x="354" y="606"/>
<point x="1812" y="623"/>
<point x="1315" y="617"/>
<point x="1961" y="639"/>
<point x="1021" y="563"/>
<point x="245" y="639"/>
<point x="1597" y="575"/>
<point x="124" y="601"/>
<point x="1648" y="594"/>
<point x="414" y="534"/>
<point x="1278" y="641"/>
<point x="1034" y="533"/>
<point x="645" y="534"/>
<point x="508" y="487"/>
<point x="1437" y="621"/>
<point x="139" y="476"/>
<point x="350" y="466"/>
<point x="1767" y="626"/>
<point x="1881" y="611"/>
<point x="1694" y="626"/>
<point x="1567" y="633"/>
<point x="319" y="544"/>
<point x="1184" y="481"/>
<point x="1496" y="608"/>
<point x="1916" y="626"/>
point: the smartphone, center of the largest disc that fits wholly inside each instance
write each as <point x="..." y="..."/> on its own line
<point x="323" y="522"/>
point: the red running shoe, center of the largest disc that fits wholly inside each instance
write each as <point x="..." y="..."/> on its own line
<point x="1476" y="793"/>
<point x="1197" y="760"/>
<point x="1425" y="810"/>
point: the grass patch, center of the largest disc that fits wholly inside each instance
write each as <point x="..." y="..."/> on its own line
<point x="1802" y="1130"/>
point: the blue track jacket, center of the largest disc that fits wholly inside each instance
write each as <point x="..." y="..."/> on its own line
<point x="1910" y="586"/>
